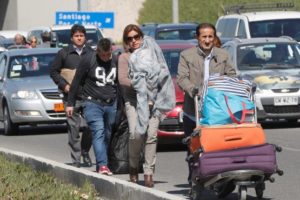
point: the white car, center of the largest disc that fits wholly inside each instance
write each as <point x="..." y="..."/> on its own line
<point x="274" y="65"/>
<point x="259" y="20"/>
<point x="11" y="33"/>
<point x="60" y="35"/>
<point x="28" y="96"/>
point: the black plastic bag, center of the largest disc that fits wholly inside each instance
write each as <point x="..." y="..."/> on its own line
<point x="118" y="153"/>
<point x="118" y="156"/>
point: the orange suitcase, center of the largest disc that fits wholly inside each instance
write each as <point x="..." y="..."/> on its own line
<point x="226" y="137"/>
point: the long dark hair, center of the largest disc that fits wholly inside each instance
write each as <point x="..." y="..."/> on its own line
<point x="131" y="27"/>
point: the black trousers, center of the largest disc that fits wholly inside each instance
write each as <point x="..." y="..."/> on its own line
<point x="188" y="127"/>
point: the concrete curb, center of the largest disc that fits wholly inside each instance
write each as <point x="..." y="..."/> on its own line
<point x="108" y="187"/>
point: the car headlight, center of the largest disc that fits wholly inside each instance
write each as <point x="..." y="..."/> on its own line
<point x="24" y="94"/>
<point x="259" y="90"/>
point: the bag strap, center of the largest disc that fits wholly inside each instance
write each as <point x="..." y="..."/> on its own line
<point x="244" y="112"/>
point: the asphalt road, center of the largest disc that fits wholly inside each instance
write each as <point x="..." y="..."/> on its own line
<point x="171" y="170"/>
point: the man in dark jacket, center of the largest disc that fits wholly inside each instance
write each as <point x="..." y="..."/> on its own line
<point x="98" y="72"/>
<point x="62" y="72"/>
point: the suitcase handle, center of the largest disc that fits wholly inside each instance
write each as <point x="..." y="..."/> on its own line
<point x="244" y="112"/>
<point x="239" y="160"/>
<point x="232" y="138"/>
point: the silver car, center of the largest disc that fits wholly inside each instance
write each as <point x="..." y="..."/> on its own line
<point x="274" y="65"/>
<point x="27" y="93"/>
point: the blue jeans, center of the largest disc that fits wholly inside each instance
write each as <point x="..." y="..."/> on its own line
<point x="100" y="119"/>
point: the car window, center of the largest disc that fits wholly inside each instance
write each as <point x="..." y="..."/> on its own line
<point x="230" y="28"/>
<point x="221" y="27"/>
<point x="268" y="55"/>
<point x="63" y="36"/>
<point x="230" y="50"/>
<point x="93" y="35"/>
<point x="182" y="34"/>
<point x="30" y="65"/>
<point x="276" y="28"/>
<point x="149" y="30"/>
<point x="172" y="59"/>
<point x="37" y="34"/>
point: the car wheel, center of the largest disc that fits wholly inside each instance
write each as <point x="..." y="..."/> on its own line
<point x="9" y="127"/>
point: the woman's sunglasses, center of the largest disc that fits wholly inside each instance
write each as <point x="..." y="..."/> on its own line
<point x="135" y="37"/>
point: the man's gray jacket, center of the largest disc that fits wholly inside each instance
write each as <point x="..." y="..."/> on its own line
<point x="191" y="72"/>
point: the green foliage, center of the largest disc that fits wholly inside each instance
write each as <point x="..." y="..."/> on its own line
<point x="18" y="181"/>
<point x="156" y="11"/>
<point x="191" y="10"/>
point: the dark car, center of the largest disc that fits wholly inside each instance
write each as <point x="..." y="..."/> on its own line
<point x="170" y="130"/>
<point x="179" y="31"/>
<point x="60" y="35"/>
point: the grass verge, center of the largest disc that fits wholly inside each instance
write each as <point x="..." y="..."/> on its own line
<point x="18" y="181"/>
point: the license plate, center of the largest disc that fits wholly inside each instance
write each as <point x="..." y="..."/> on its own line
<point x="285" y="101"/>
<point x="59" y="107"/>
<point x="180" y="117"/>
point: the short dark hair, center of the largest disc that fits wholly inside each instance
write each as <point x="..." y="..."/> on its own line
<point x="205" y="25"/>
<point x="77" y="28"/>
<point x="104" y="44"/>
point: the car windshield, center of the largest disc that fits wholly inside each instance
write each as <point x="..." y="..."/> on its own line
<point x="172" y="59"/>
<point x="30" y="65"/>
<point x="148" y="30"/>
<point x="37" y="34"/>
<point x="181" y="34"/>
<point x="63" y="37"/>
<point x="276" y="28"/>
<point x="6" y="42"/>
<point x="268" y="56"/>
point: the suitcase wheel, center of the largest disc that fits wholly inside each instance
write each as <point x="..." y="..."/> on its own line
<point x="259" y="190"/>
<point x="242" y="192"/>
<point x="196" y="191"/>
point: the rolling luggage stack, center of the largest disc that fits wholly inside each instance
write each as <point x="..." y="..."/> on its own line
<point x="223" y="157"/>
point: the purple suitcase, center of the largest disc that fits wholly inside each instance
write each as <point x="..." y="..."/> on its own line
<point x="262" y="157"/>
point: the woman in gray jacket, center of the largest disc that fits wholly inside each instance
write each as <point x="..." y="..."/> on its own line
<point x="148" y="92"/>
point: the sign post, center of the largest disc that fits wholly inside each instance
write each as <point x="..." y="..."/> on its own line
<point x="99" y="19"/>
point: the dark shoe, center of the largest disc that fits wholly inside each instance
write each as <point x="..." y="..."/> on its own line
<point x="149" y="181"/>
<point x="133" y="175"/>
<point x="86" y="160"/>
<point x="76" y="164"/>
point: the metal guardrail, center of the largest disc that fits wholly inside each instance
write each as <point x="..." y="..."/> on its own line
<point x="240" y="8"/>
